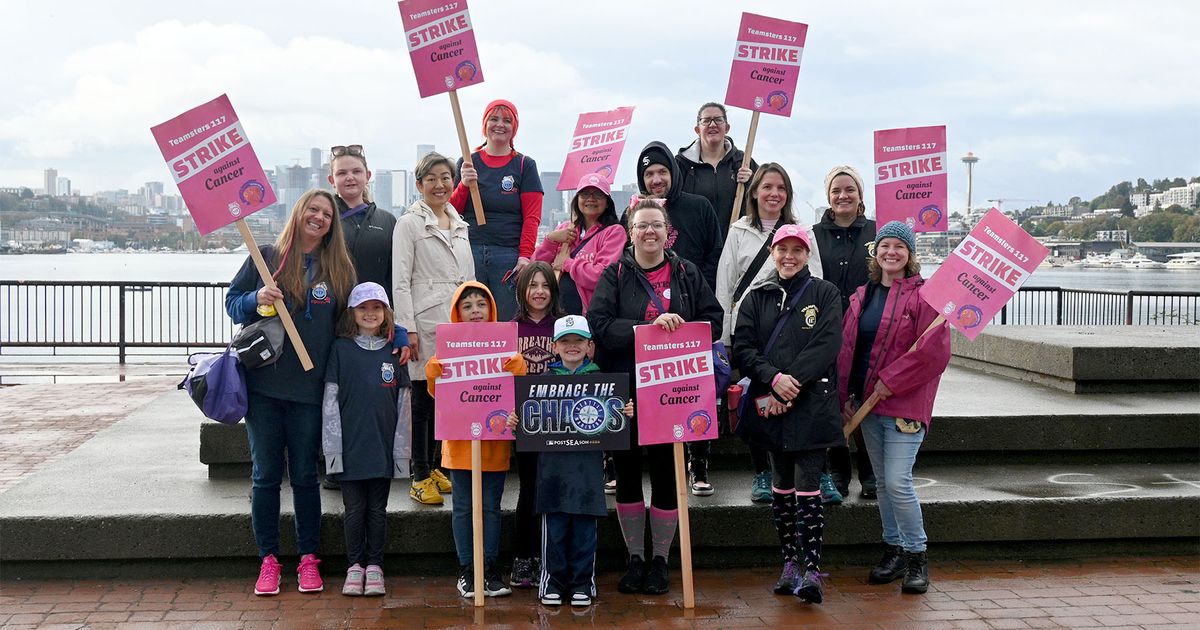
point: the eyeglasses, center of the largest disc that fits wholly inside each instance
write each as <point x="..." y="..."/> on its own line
<point x="340" y="150"/>
<point x="710" y="121"/>
<point x="657" y="226"/>
<point x="594" y="193"/>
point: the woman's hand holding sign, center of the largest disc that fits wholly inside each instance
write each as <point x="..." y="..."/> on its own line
<point x="668" y="321"/>
<point x="268" y="295"/>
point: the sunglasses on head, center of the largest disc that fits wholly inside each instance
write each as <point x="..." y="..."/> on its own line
<point x="340" y="150"/>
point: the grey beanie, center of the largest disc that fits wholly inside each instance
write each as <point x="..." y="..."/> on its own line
<point x="900" y="230"/>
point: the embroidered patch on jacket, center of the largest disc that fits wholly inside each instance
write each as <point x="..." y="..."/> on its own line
<point x="810" y="313"/>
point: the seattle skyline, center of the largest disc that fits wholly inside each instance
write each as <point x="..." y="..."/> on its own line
<point x="1067" y="105"/>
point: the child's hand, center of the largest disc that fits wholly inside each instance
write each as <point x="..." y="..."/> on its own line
<point x="629" y="409"/>
<point x="512" y="420"/>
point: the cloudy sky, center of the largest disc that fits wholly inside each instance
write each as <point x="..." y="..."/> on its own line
<point x="1057" y="98"/>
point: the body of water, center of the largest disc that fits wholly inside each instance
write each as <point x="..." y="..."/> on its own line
<point x="186" y="267"/>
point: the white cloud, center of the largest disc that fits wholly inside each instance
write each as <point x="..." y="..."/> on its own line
<point x="1071" y="160"/>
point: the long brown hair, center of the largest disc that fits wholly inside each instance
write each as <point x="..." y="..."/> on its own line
<point x="524" y="278"/>
<point x="333" y="262"/>
<point x="785" y="213"/>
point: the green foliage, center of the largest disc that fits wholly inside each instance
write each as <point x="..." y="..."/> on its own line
<point x="1188" y="231"/>
<point x="1157" y="227"/>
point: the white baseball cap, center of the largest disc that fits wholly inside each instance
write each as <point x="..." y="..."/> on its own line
<point x="572" y="325"/>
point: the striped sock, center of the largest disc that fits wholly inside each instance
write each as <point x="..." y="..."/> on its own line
<point x="662" y="529"/>
<point x="632" y="518"/>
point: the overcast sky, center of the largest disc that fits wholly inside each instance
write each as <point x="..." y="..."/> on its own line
<point x="1056" y="98"/>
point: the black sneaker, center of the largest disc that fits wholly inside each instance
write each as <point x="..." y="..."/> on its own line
<point x="493" y="584"/>
<point x="635" y="577"/>
<point x="522" y="573"/>
<point x="699" y="479"/>
<point x="330" y="483"/>
<point x="842" y="483"/>
<point x="810" y="589"/>
<point x="656" y="577"/>
<point x="466" y="581"/>
<point x="891" y="566"/>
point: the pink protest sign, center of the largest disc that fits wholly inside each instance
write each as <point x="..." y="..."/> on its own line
<point x="676" y="390"/>
<point x="983" y="272"/>
<point x="441" y="42"/>
<point x="910" y="177"/>
<point x="474" y="393"/>
<point x="214" y="165"/>
<point x="766" y="64"/>
<point x="596" y="147"/>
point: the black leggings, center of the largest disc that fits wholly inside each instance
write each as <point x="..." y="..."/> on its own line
<point x="425" y="449"/>
<point x="797" y="470"/>
<point x="527" y="539"/>
<point x="660" y="461"/>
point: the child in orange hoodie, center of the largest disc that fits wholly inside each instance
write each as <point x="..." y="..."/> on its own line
<point x="473" y="302"/>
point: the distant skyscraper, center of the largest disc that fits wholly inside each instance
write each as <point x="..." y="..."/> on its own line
<point x="64" y="187"/>
<point x="423" y="150"/>
<point x="314" y="159"/>
<point x="51" y="182"/>
<point x="383" y="190"/>
<point x="552" y="200"/>
<point x="402" y="190"/>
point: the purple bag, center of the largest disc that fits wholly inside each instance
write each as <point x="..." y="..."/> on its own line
<point x="217" y="384"/>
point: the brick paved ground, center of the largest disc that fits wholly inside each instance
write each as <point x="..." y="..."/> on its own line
<point x="41" y="422"/>
<point x="1108" y="593"/>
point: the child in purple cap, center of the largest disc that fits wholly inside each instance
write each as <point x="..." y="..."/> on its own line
<point x="365" y="428"/>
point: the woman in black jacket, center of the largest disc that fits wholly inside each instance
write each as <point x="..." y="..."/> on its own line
<point x="622" y="301"/>
<point x="787" y="338"/>
<point x="843" y="235"/>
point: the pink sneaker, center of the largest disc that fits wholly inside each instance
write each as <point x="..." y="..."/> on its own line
<point x="374" y="585"/>
<point x="308" y="574"/>
<point x="268" y="577"/>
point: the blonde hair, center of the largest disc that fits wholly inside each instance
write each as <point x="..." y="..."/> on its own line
<point x="360" y="158"/>
<point x="333" y="261"/>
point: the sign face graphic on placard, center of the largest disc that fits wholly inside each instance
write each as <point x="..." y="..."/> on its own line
<point x="596" y="146"/>
<point x="910" y="177"/>
<point x="676" y="390"/>
<point x="441" y="43"/>
<point x="983" y="273"/>
<point x="474" y="392"/>
<point x="573" y="412"/>
<point x="766" y="64"/>
<point x="214" y="165"/>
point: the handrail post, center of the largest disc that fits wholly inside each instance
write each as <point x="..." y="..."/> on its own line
<point x="121" y="324"/>
<point x="1129" y="308"/>
<point x="1059" y="310"/>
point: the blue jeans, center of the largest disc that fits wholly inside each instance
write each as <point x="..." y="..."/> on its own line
<point x="460" y="521"/>
<point x="274" y="425"/>
<point x="491" y="263"/>
<point x="892" y="456"/>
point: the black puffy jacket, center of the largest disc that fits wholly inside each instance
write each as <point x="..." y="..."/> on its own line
<point x="369" y="243"/>
<point x="806" y="349"/>
<point x="844" y="252"/>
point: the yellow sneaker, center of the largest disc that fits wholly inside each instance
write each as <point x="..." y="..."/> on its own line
<point x="443" y="482"/>
<point x="426" y="492"/>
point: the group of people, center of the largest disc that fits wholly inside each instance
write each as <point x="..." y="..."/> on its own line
<point x="818" y="318"/>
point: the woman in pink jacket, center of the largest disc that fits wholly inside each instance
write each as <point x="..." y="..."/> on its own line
<point x="886" y="317"/>
<point x="594" y="240"/>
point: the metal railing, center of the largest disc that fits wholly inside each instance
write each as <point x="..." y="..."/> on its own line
<point x="157" y="317"/>
<point x="117" y="315"/>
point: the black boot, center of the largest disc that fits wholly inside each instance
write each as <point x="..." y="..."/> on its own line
<point x="635" y="577"/>
<point x="891" y="566"/>
<point x="916" y="579"/>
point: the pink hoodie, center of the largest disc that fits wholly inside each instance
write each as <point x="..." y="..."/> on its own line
<point x="913" y="376"/>
<point x="586" y="266"/>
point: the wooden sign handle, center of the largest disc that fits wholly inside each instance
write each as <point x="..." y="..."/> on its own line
<point x="280" y="307"/>
<point x="466" y="153"/>
<point x="741" y="187"/>
<point x="685" y="530"/>
<point x="563" y="252"/>
<point x="873" y="399"/>
<point x="477" y="517"/>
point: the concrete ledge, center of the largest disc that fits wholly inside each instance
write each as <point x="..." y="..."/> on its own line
<point x="1088" y="359"/>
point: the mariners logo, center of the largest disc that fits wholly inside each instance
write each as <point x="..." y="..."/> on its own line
<point x="388" y="371"/>
<point x="589" y="418"/>
<point x="508" y="183"/>
<point x="320" y="294"/>
<point x="810" y="313"/>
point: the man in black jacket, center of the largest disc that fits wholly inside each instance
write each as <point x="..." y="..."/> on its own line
<point x="696" y="233"/>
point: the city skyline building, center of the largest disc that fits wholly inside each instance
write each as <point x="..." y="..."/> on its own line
<point x="50" y="181"/>
<point x="382" y="189"/>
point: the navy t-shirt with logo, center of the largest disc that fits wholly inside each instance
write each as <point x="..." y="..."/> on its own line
<point x="500" y="190"/>
<point x="369" y="383"/>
